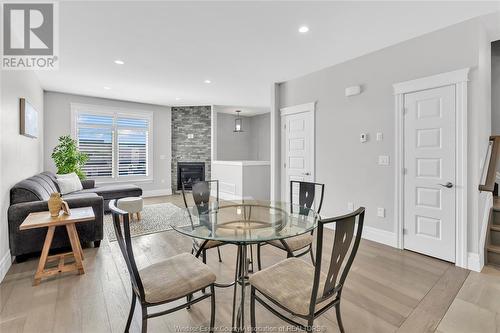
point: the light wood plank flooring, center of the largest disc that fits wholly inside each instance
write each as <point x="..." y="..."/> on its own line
<point x="387" y="290"/>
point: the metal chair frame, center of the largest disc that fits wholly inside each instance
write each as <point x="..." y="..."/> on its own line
<point x="125" y="244"/>
<point x="305" y="202"/>
<point x="200" y="201"/>
<point x="344" y="235"/>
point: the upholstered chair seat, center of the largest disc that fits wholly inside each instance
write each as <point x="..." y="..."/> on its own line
<point x="289" y="283"/>
<point x="175" y="277"/>
<point x="210" y="244"/>
<point x="294" y="243"/>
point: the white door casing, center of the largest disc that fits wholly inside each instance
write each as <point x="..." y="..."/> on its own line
<point x="298" y="146"/>
<point x="429" y="182"/>
<point x="458" y="80"/>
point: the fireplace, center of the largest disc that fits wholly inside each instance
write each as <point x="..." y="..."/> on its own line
<point x="188" y="173"/>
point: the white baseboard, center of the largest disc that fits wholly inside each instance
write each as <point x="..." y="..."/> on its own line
<point x="156" y="193"/>
<point x="377" y="235"/>
<point x="380" y="236"/>
<point x="474" y="262"/>
<point x="5" y="264"/>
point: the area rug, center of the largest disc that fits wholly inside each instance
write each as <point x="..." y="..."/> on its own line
<point x="155" y="218"/>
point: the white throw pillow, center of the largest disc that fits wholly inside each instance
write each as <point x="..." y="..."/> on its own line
<point x="69" y="183"/>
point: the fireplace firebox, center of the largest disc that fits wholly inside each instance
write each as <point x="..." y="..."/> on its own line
<point x="189" y="173"/>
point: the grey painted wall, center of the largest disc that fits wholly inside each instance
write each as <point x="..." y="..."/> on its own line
<point x="348" y="168"/>
<point x="58" y="122"/>
<point x="195" y="120"/>
<point x="252" y="144"/>
<point x="495" y="87"/>
<point x="20" y="156"/>
<point x="233" y="146"/>
<point x="260" y="140"/>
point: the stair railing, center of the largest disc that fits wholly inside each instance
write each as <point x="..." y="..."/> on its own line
<point x="490" y="165"/>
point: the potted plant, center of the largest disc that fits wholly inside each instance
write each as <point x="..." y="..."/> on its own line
<point x="68" y="158"/>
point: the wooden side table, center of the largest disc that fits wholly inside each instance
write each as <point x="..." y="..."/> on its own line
<point x="43" y="219"/>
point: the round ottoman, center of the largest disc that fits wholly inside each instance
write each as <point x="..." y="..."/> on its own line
<point x="132" y="205"/>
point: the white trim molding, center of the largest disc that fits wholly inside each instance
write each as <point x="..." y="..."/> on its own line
<point x="474" y="262"/>
<point x="5" y="264"/>
<point x="458" y="79"/>
<point x="380" y="236"/>
<point x="376" y="235"/>
<point x="435" y="81"/>
<point x="307" y="107"/>
<point x="157" y="193"/>
<point x="488" y="205"/>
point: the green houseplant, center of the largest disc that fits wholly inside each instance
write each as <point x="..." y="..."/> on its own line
<point x="68" y="158"/>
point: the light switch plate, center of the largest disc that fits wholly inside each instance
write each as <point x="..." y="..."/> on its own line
<point x="380" y="136"/>
<point x="381" y="212"/>
<point x="350" y="206"/>
<point x="190" y="136"/>
<point x="383" y="160"/>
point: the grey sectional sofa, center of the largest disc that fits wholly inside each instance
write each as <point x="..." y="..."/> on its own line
<point x="31" y="195"/>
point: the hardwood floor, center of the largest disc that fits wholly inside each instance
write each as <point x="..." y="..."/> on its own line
<point x="387" y="290"/>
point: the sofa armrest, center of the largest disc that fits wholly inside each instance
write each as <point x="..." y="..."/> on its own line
<point x="18" y="212"/>
<point x="88" y="183"/>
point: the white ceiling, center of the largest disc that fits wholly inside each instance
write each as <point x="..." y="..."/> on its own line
<point x="170" y="48"/>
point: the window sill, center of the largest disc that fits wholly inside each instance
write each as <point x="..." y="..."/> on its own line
<point x="124" y="181"/>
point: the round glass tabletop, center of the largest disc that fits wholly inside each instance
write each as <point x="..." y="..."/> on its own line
<point x="246" y="222"/>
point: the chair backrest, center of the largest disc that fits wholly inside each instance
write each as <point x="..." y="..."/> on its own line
<point x="345" y="245"/>
<point x="125" y="244"/>
<point x="310" y="196"/>
<point x="202" y="191"/>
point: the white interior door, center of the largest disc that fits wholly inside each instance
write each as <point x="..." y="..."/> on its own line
<point x="429" y="186"/>
<point x="298" y="155"/>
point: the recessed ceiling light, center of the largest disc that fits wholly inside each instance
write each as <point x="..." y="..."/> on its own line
<point x="119" y="62"/>
<point x="107" y="88"/>
<point x="207" y="81"/>
<point x="303" y="29"/>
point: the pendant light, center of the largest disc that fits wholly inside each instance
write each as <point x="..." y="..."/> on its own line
<point x="238" y="123"/>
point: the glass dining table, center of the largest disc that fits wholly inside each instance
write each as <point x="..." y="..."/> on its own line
<point x="244" y="224"/>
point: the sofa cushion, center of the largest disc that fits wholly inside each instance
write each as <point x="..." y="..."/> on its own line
<point x="115" y="191"/>
<point x="79" y="195"/>
<point x="69" y="183"/>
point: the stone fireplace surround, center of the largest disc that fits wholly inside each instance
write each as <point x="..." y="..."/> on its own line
<point x="191" y="138"/>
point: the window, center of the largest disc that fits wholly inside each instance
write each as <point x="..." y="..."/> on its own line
<point x="117" y="142"/>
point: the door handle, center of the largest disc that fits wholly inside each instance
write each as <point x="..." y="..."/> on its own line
<point x="306" y="173"/>
<point x="447" y="185"/>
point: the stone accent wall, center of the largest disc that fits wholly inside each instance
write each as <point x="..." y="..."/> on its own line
<point x="195" y="120"/>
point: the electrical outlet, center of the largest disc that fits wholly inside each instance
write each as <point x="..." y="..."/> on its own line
<point x="380" y="136"/>
<point x="381" y="212"/>
<point x="350" y="206"/>
<point x="383" y="160"/>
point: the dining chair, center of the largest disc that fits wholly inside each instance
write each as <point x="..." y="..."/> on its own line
<point x="163" y="282"/>
<point x="201" y="191"/>
<point x="310" y="196"/>
<point x="304" y="290"/>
